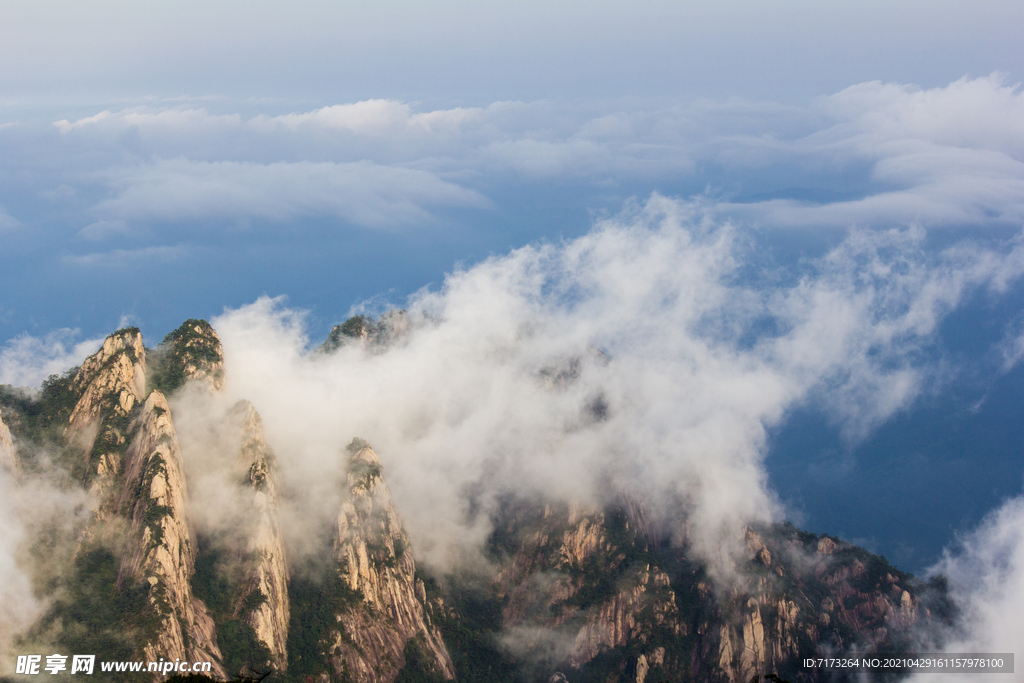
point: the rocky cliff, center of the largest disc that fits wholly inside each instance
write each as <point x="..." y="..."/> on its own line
<point x="386" y="622"/>
<point x="8" y="459"/>
<point x="109" y="388"/>
<point x="162" y="545"/>
<point x="621" y="605"/>
<point x="263" y="601"/>
<point x="587" y="577"/>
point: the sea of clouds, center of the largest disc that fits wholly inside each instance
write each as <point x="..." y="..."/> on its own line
<point x="169" y="175"/>
<point x="672" y="316"/>
<point x="692" y="365"/>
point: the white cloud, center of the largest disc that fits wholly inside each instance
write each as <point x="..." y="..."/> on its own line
<point x="1011" y="348"/>
<point x="7" y="221"/>
<point x="950" y="156"/>
<point x="26" y="361"/>
<point x="105" y="228"/>
<point x="122" y="257"/>
<point x="980" y="113"/>
<point x="947" y="156"/>
<point x="33" y="508"/>
<point x="362" y="192"/>
<point x="986" y="574"/>
<point x="65" y="126"/>
<point x="373" y="117"/>
<point x="690" y="377"/>
<point x="152" y="119"/>
<point x="890" y="279"/>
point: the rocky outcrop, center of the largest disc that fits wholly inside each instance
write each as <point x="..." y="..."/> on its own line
<point x="371" y="334"/>
<point x="111" y="384"/>
<point x="806" y="593"/>
<point x="162" y="544"/>
<point x="8" y="460"/>
<point x="191" y="353"/>
<point x="625" y="605"/>
<point x="263" y="601"/>
<point x="597" y="587"/>
<point x="113" y="377"/>
<point x="133" y="465"/>
<point x="375" y="562"/>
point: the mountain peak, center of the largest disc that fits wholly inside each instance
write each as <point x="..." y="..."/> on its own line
<point x="106" y="392"/>
<point x="387" y="629"/>
<point x="371" y="333"/>
<point x="191" y="352"/>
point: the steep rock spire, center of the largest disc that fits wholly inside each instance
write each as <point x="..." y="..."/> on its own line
<point x="263" y="603"/>
<point x="375" y="561"/>
<point x="161" y="550"/>
<point x="8" y="459"/>
<point x="110" y="386"/>
<point x="133" y="463"/>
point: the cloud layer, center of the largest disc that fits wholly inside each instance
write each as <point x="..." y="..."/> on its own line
<point x="26" y="361"/>
<point x="649" y="357"/>
<point x="361" y="192"/>
<point x="642" y="358"/>
<point x="986" y="572"/>
<point x="873" y="154"/>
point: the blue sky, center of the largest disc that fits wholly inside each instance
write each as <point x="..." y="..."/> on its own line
<point x="164" y="161"/>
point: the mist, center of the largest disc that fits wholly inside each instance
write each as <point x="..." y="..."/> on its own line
<point x="42" y="515"/>
<point x="985" y="568"/>
<point x="648" y="358"/>
<point x="26" y="361"/>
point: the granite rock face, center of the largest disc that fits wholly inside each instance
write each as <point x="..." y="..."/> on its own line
<point x="8" y="458"/>
<point x="263" y="603"/>
<point x="111" y="386"/>
<point x="375" y="562"/>
<point x="586" y="575"/>
<point x="627" y="605"/>
<point x="162" y="544"/>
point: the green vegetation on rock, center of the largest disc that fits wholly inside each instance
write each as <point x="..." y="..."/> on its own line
<point x="316" y="599"/>
<point x="193" y="345"/>
<point x="93" y="614"/>
<point x="219" y="582"/>
<point x="41" y="418"/>
<point x="417" y="667"/>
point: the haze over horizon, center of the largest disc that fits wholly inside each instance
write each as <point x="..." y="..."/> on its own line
<point x="845" y="179"/>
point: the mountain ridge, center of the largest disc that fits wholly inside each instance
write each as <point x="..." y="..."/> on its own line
<point x="590" y="592"/>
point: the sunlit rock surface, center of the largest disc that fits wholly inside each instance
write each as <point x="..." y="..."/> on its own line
<point x="162" y="543"/>
<point x="8" y="459"/>
<point x="266" y="566"/>
<point x="376" y="562"/>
